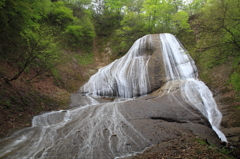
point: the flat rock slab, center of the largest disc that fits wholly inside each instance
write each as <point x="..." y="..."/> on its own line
<point x="167" y="117"/>
<point x="108" y="130"/>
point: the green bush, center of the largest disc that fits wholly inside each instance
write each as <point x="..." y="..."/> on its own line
<point x="75" y="32"/>
<point x="235" y="77"/>
<point x="80" y="35"/>
<point x="235" y="81"/>
<point x="60" y="15"/>
<point x="85" y="59"/>
<point x="39" y="52"/>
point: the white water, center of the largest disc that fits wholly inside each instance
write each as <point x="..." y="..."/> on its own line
<point x="96" y="131"/>
<point x="126" y="77"/>
<point x="100" y="130"/>
<point x="178" y="64"/>
<point x="180" y="67"/>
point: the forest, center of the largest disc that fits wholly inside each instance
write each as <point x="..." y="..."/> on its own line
<point x="36" y="35"/>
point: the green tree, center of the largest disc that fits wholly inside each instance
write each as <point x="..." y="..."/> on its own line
<point x="158" y="15"/>
<point x="194" y="7"/>
<point x="27" y="43"/>
<point x="177" y="4"/>
<point x="180" y="20"/>
<point x="15" y="17"/>
<point x="132" y="28"/>
<point x="115" y="5"/>
<point x="135" y="6"/>
<point x="61" y="15"/>
<point x="80" y="36"/>
<point x="38" y="52"/>
<point x="219" y="36"/>
<point x="107" y="22"/>
<point x="150" y="8"/>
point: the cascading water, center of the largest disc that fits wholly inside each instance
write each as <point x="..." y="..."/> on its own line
<point x="96" y="131"/>
<point x="126" y="77"/>
<point x="180" y="67"/>
<point x="112" y="129"/>
<point x="178" y="64"/>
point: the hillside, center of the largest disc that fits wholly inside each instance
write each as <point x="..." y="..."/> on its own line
<point x="21" y="100"/>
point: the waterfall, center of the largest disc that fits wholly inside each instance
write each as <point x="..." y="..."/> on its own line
<point x="96" y="131"/>
<point x="200" y="97"/>
<point x="178" y="63"/>
<point x="179" y="66"/>
<point x="126" y="77"/>
<point x="96" y="128"/>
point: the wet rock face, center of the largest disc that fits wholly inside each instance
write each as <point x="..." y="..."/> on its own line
<point x="179" y="102"/>
<point x="152" y="61"/>
<point x="139" y="72"/>
<point x="156" y="72"/>
<point x="167" y="117"/>
<point x="156" y="62"/>
<point x="126" y="77"/>
<point x="108" y="130"/>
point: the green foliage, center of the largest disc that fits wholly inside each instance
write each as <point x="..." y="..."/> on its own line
<point x="216" y="35"/>
<point x="17" y="15"/>
<point x="2" y="3"/>
<point x="123" y="41"/>
<point x="115" y="5"/>
<point x="32" y="33"/>
<point x="201" y="141"/>
<point x="235" y="81"/>
<point x="180" y="20"/>
<point x="225" y="151"/>
<point x="85" y="59"/>
<point x="28" y="36"/>
<point x="75" y="34"/>
<point x="220" y="37"/>
<point x="41" y="8"/>
<point x="107" y="22"/>
<point x="148" y="17"/>
<point x="158" y="15"/>
<point x="60" y="15"/>
<point x="82" y="2"/>
<point x="235" y="76"/>
<point x="131" y="29"/>
<point x="14" y="17"/>
<point x="80" y="34"/>
<point x="41" y="52"/>
<point x="194" y="6"/>
<point x="56" y="77"/>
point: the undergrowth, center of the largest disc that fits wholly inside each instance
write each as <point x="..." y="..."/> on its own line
<point x="85" y="59"/>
